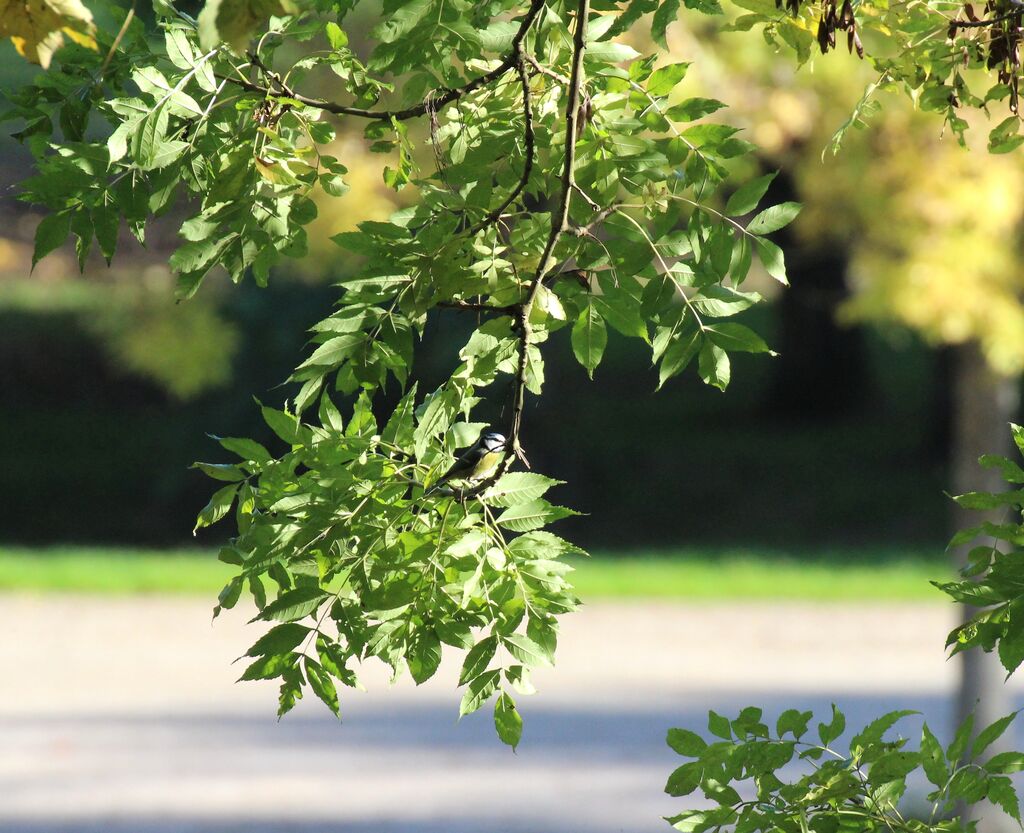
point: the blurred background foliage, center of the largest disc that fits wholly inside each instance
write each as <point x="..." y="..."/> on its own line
<point x="907" y="244"/>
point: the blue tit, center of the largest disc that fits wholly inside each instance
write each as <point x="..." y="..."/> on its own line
<point x="476" y="462"/>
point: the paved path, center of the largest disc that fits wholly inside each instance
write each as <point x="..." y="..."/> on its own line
<point x="121" y="716"/>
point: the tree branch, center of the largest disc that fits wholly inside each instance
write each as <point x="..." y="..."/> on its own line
<point x="469" y="306"/>
<point x="528" y="140"/>
<point x="438" y="98"/>
<point x="559" y="226"/>
<point x="543" y="70"/>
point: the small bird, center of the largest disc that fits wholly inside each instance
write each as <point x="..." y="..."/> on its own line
<point x="476" y="462"/>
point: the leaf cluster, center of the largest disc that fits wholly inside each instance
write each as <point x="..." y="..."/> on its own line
<point x="790" y="778"/>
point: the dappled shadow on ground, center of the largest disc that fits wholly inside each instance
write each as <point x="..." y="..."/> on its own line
<point x="410" y="768"/>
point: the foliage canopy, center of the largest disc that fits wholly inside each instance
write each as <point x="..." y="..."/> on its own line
<point x="565" y="187"/>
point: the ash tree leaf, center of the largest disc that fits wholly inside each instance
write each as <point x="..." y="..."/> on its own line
<point x="678" y="355"/>
<point x="37" y="29"/>
<point x="873" y="732"/>
<point x="990" y="734"/>
<point x="518" y="487"/>
<point x="747" y="196"/>
<point x="477" y="659"/>
<point x="323" y="686"/>
<point x="51" y="233"/>
<point x="269" y="666"/>
<point x="828" y="732"/>
<point x="285" y="425"/>
<point x="478" y="692"/>
<point x="665" y="79"/>
<point x="534" y="514"/>
<point x="721" y="301"/>
<point x="220" y="471"/>
<point x="933" y="762"/>
<point x="774" y="218"/>
<point x="685" y="742"/>
<point x="525" y="650"/>
<point x="684" y="779"/>
<point x="1005" y="763"/>
<point x="719" y="725"/>
<point x="279" y="639"/>
<point x="793" y="721"/>
<point x="713" y="365"/>
<point x="667" y="13"/>
<point x="1001" y="792"/>
<point x="772" y="259"/>
<point x="293" y="604"/>
<point x="425" y="657"/>
<point x="694" y="108"/>
<point x="235" y="21"/>
<point x="291" y="691"/>
<point x="507" y="721"/>
<point x="217" y="508"/>
<point x="246" y="449"/>
<point x="589" y="339"/>
<point x="228" y="596"/>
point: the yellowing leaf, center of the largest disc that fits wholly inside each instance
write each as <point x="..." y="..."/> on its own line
<point x="234" y="21"/>
<point x="37" y="27"/>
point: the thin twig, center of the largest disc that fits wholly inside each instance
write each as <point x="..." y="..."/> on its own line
<point x="559" y="226"/>
<point x="469" y="306"/>
<point x="543" y="70"/>
<point x="438" y="98"/>
<point x="529" y="151"/>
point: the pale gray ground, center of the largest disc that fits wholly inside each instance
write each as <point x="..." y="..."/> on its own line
<point x="121" y="715"/>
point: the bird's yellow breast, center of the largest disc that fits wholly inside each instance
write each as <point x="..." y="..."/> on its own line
<point x="486" y="464"/>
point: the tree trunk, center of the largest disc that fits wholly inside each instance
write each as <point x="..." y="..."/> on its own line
<point x="984" y="403"/>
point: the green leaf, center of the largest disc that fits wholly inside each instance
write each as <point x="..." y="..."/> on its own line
<point x="958" y="747"/>
<point x="794" y="722"/>
<point x="479" y="692"/>
<point x="246" y="449"/>
<point x="236" y="21"/>
<point x="589" y="339"/>
<point x="1001" y="792"/>
<point x="721" y="301"/>
<point x="425" y="657"/>
<point x="518" y="487"/>
<point x="685" y="779"/>
<point x="217" y="508"/>
<point x="477" y="659"/>
<point x="534" y="514"/>
<point x="268" y="667"/>
<point x="693" y="108"/>
<point x="873" y="732"/>
<point x="830" y="731"/>
<point x="667" y="13"/>
<point x="990" y="734"/>
<point x="932" y="760"/>
<point x="525" y="650"/>
<point x="748" y="195"/>
<point x="772" y="259"/>
<point x="507" y="721"/>
<point x="1006" y="762"/>
<point x="322" y="684"/>
<point x="685" y="742"/>
<point x="285" y="425"/>
<point x="280" y="639"/>
<point x="51" y="233"/>
<point x="713" y="365"/>
<point x="294" y="604"/>
<point x="719" y="726"/>
<point x="774" y="218"/>
<point x="665" y="79"/>
<point x="678" y="355"/>
<point x="291" y="691"/>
